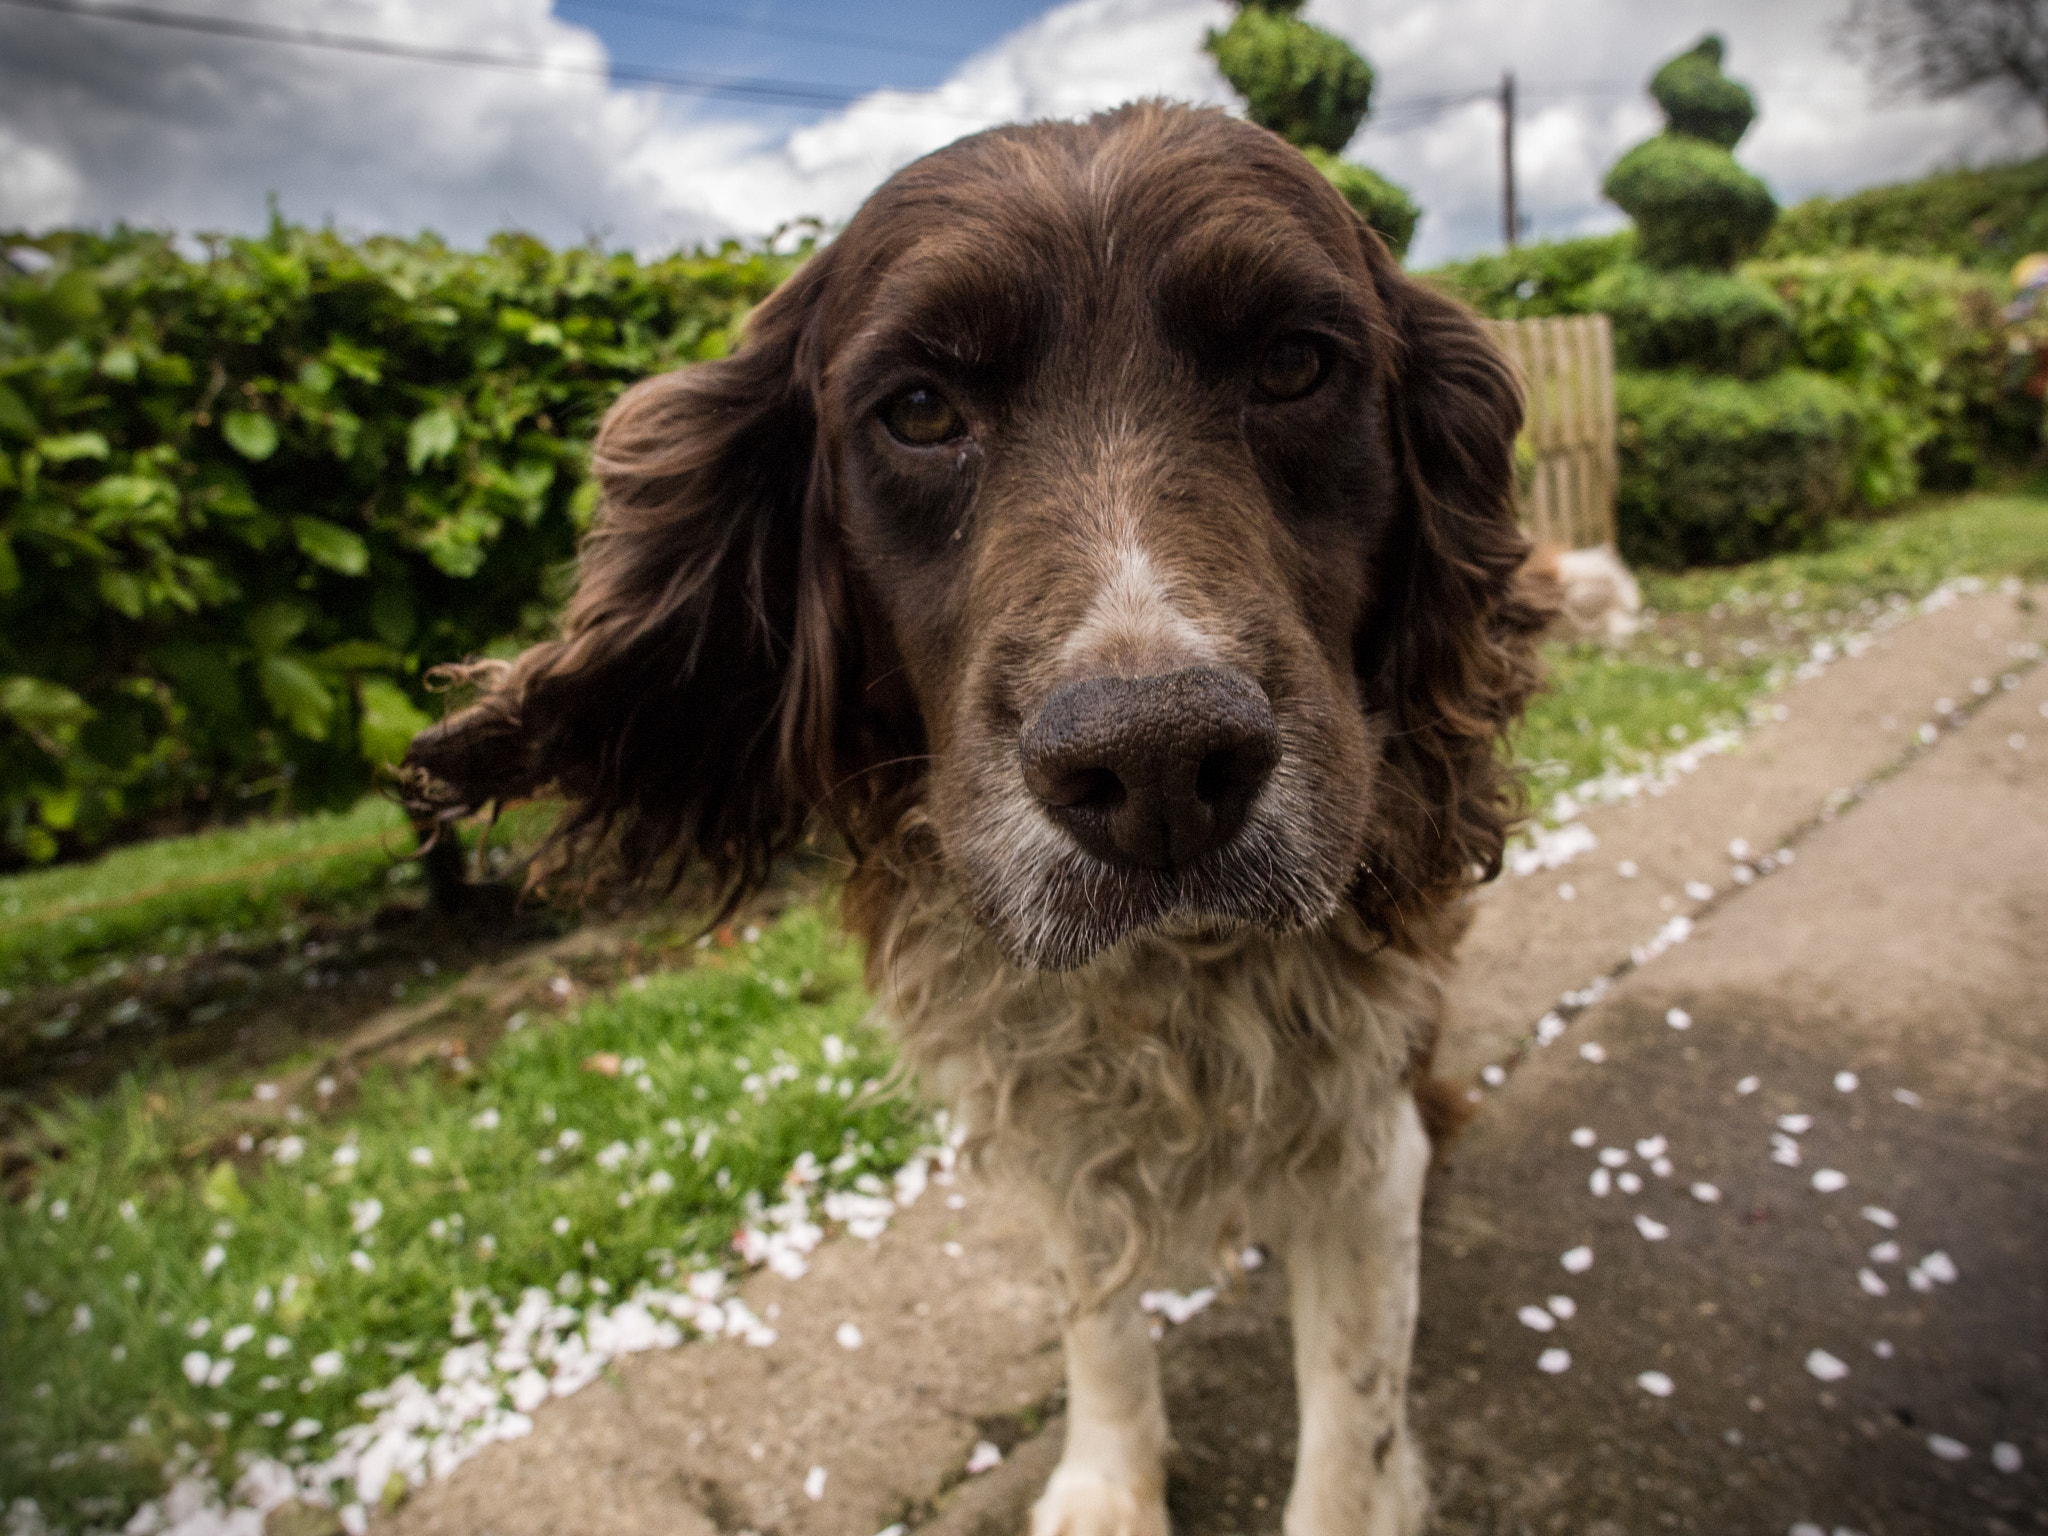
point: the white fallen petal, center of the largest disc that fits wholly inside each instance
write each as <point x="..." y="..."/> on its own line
<point x="1652" y="1146"/>
<point x="1656" y="1383"/>
<point x="1749" y="1085"/>
<point x="1878" y="1216"/>
<point x="1678" y="1018"/>
<point x="1662" y="1167"/>
<point x="1947" y="1449"/>
<point x="1593" y="1051"/>
<point x="1584" y="1136"/>
<point x="1706" y="1194"/>
<point x="1601" y="1182"/>
<point x="1537" y="1318"/>
<point x="1847" y="1082"/>
<point x="1576" y="1261"/>
<point x="1907" y="1097"/>
<point x="1830" y="1180"/>
<point x="1939" y="1266"/>
<point x="1826" y="1367"/>
<point x="1872" y="1283"/>
<point x="814" y="1484"/>
<point x="1613" y="1157"/>
<point x="1919" y="1279"/>
<point x="1652" y="1229"/>
<point x="984" y="1456"/>
<point x="1554" y="1362"/>
<point x="1563" y="1308"/>
<point x="1883" y="1349"/>
<point x="1886" y="1252"/>
<point x="2006" y="1457"/>
<point x="1796" y="1125"/>
<point x="1492" y="1075"/>
<point x="849" y="1336"/>
<point x="1628" y="1183"/>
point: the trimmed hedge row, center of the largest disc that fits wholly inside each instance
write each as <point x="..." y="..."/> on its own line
<point x="1925" y="389"/>
<point x="1986" y="219"/>
<point x="246" y="499"/>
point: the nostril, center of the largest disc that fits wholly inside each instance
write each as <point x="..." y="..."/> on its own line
<point x="1231" y="771"/>
<point x="1086" y="789"/>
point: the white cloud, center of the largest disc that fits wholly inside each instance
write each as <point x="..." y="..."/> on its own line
<point x="103" y="121"/>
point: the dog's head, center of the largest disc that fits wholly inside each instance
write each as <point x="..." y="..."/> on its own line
<point x="1105" y="494"/>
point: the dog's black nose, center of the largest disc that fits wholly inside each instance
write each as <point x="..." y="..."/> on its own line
<point x="1152" y="771"/>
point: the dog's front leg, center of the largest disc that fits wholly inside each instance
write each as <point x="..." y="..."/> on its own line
<point x="1352" y="1261"/>
<point x="1111" y="1480"/>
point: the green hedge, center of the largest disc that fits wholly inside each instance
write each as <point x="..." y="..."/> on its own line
<point x="1986" y="219"/>
<point x="1536" y="281"/>
<point x="1715" y="471"/>
<point x="1715" y="322"/>
<point x="1920" y="343"/>
<point x="1692" y="204"/>
<point x="246" y="499"/>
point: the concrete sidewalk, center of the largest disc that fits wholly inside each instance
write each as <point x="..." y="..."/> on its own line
<point x="1907" y="944"/>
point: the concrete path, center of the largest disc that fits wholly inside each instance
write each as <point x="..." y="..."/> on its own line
<point x="1907" y="944"/>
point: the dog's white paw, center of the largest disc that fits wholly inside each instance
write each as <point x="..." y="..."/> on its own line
<point x="1081" y="1501"/>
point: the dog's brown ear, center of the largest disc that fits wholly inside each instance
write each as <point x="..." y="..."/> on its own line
<point x="690" y="709"/>
<point x="1457" y="662"/>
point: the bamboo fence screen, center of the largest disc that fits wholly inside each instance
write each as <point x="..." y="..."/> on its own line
<point x="1567" y="370"/>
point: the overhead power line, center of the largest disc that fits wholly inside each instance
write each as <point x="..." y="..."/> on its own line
<point x="790" y="92"/>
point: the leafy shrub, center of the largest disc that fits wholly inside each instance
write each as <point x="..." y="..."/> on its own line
<point x="1985" y="218"/>
<point x="1386" y="207"/>
<point x="1716" y="470"/>
<point x="1692" y="204"/>
<point x="1534" y="281"/>
<point x="1307" y="85"/>
<point x="1919" y="342"/>
<point x="1701" y="102"/>
<point x="1712" y="321"/>
<point x="246" y="500"/>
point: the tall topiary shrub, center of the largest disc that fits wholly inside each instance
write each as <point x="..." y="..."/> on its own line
<point x="1693" y="206"/>
<point x="1314" y="90"/>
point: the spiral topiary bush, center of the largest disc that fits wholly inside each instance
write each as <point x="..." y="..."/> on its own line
<point x="1692" y="204"/>
<point x="1307" y="85"/>
<point x="1386" y="207"/>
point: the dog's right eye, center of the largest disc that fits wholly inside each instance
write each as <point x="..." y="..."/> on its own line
<point x="921" y="417"/>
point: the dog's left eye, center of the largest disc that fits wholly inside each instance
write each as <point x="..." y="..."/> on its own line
<point x="921" y="417"/>
<point x="1291" y="368"/>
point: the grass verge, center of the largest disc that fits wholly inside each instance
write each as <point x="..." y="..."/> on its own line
<point x="238" y="1302"/>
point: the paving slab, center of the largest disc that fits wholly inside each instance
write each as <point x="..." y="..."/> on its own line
<point x="1904" y="944"/>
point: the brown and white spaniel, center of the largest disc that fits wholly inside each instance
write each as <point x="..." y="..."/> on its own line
<point x="1108" y="543"/>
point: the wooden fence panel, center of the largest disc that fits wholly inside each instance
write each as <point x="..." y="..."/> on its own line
<point x="1567" y="371"/>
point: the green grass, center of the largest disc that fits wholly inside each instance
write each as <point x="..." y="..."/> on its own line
<point x="1724" y="636"/>
<point x="123" y="1223"/>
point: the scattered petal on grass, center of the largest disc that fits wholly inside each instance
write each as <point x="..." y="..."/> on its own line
<point x="421" y="1157"/>
<point x="849" y="1336"/>
<point x="1907" y="1097"/>
<point x="1554" y="1362"/>
<point x="814" y="1484"/>
<point x="364" y="1214"/>
<point x="1947" y="1449"/>
<point x="1795" y="1125"/>
<point x="1652" y="1146"/>
<point x="1678" y="1018"/>
<point x="1939" y="1266"/>
<point x="1830" y="1180"/>
<point x="1656" y="1383"/>
<point x="984" y="1456"/>
<point x="1886" y="1252"/>
<point x="1824" y="1366"/>
<point x="1175" y="1307"/>
<point x="1784" y="1150"/>
<point x="1493" y="1076"/>
<point x="1749" y="1085"/>
<point x="1872" y="1283"/>
<point x="1628" y="1183"/>
<point x="1577" y="1261"/>
<point x="1698" y="890"/>
<point x="1882" y="1348"/>
<point x="1706" y="1194"/>
<point x="1847" y="1082"/>
<point x="2006" y="1457"/>
<point x="1628" y="869"/>
<point x="1613" y="1157"/>
<point x="327" y="1363"/>
<point x="1537" y="1318"/>
<point x="212" y="1259"/>
<point x="1662" y="1167"/>
<point x="952" y="1250"/>
<point x="1652" y="1229"/>
<point x="1548" y="1028"/>
<point x="1601" y="1183"/>
<point x="1878" y="1216"/>
<point x="1593" y="1051"/>
<point x="1563" y="1308"/>
<point x="1584" y="1136"/>
<point x="195" y="1365"/>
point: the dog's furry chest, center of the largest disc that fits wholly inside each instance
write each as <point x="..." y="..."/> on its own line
<point x="1172" y="1074"/>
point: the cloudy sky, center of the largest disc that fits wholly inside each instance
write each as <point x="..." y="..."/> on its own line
<point x="538" y="114"/>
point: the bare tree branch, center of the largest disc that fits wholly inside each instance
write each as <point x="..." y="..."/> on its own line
<point x="1941" y="48"/>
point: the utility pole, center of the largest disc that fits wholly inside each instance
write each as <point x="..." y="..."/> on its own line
<point x="1510" y="217"/>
